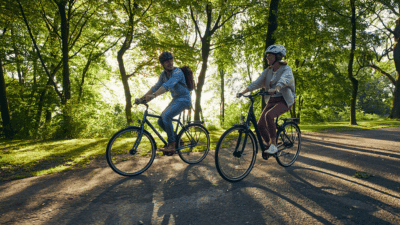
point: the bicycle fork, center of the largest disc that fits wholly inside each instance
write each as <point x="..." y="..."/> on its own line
<point x="137" y="142"/>
<point x="238" y="153"/>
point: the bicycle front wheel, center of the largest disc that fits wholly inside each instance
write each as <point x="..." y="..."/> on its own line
<point x="193" y="143"/>
<point x="129" y="156"/>
<point x="288" y="143"/>
<point x="235" y="154"/>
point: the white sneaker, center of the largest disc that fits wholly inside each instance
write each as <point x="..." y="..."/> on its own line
<point x="272" y="149"/>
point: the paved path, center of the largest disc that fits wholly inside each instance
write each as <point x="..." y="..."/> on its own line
<point x="318" y="189"/>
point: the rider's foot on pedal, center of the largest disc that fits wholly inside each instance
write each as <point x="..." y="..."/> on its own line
<point x="272" y="149"/>
<point x="169" y="149"/>
<point x="265" y="155"/>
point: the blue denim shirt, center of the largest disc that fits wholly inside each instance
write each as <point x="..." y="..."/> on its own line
<point x="176" y="84"/>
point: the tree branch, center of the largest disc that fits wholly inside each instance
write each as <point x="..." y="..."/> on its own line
<point x="232" y="15"/>
<point x="195" y="22"/>
<point x="390" y="77"/>
<point x="333" y="10"/>
<point x="384" y="25"/>
<point x="151" y="2"/>
<point x="37" y="49"/>
<point x="140" y="67"/>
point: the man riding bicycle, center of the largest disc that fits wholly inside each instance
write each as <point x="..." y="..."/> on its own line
<point x="171" y="79"/>
<point x="278" y="80"/>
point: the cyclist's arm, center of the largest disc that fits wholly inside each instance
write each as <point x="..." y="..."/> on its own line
<point x="287" y="79"/>
<point x="156" y="90"/>
<point x="150" y="95"/>
<point x="245" y="91"/>
<point x="160" y="91"/>
<point x="257" y="84"/>
<point x="176" y="76"/>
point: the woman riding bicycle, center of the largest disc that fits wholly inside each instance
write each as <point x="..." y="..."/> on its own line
<point x="171" y="79"/>
<point x="278" y="80"/>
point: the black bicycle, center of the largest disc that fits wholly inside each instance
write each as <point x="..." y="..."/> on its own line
<point x="237" y="148"/>
<point x="132" y="150"/>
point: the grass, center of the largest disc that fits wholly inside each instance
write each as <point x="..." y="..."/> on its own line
<point x="345" y="126"/>
<point x="26" y="158"/>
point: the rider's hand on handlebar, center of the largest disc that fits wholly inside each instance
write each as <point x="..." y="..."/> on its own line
<point x="139" y="101"/>
<point x="148" y="98"/>
<point x="238" y="95"/>
<point x="272" y="91"/>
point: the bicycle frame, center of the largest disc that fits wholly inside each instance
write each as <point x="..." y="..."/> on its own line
<point x="146" y="121"/>
<point x="251" y="118"/>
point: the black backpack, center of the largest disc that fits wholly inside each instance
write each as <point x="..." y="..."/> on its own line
<point x="188" y="77"/>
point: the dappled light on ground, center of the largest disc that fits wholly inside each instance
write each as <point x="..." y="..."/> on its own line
<point x="319" y="188"/>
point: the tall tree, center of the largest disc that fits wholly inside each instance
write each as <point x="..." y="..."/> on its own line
<point x="270" y="39"/>
<point x="5" y="112"/>
<point x="216" y="15"/>
<point x="69" y="26"/>
<point x="134" y="12"/>
<point x="356" y="12"/>
<point x="6" y="18"/>
<point x="391" y="7"/>
<point x="353" y="80"/>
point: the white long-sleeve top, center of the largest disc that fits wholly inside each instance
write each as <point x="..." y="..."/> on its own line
<point x="283" y="78"/>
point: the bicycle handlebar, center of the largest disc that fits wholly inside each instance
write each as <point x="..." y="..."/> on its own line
<point x="258" y="93"/>
<point x="142" y="103"/>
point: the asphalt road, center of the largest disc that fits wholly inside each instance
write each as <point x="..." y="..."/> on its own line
<point x="318" y="189"/>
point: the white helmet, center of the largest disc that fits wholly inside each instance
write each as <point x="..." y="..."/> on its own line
<point x="275" y="49"/>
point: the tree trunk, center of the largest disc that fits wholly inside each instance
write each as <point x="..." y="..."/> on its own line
<point x="5" y="113"/>
<point x="65" y="51"/>
<point x="205" y="52"/>
<point x="125" y="46"/>
<point x="353" y="80"/>
<point x="17" y="58"/>
<point x="270" y="40"/>
<point x="124" y="77"/>
<point x="395" y="113"/>
<point x="83" y="78"/>
<point x="66" y="93"/>
<point x="222" y="112"/>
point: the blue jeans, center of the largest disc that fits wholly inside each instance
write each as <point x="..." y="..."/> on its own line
<point x="173" y="109"/>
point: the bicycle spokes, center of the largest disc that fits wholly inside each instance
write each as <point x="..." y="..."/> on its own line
<point x="288" y="143"/>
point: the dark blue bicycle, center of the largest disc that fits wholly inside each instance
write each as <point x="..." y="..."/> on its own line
<point x="237" y="147"/>
<point x="132" y="150"/>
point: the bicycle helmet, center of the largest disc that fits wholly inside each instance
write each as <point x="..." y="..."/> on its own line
<point x="165" y="56"/>
<point x="276" y="49"/>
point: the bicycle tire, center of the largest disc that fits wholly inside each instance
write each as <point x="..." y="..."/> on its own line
<point x="120" y="157"/>
<point x="288" y="142"/>
<point x="231" y="165"/>
<point x="195" y="141"/>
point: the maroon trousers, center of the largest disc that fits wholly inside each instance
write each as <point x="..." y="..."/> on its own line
<point x="266" y="124"/>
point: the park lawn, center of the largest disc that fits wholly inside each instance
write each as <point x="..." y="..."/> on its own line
<point x="345" y="126"/>
<point x="26" y="158"/>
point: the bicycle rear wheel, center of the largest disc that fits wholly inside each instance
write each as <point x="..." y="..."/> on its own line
<point x="122" y="156"/>
<point x="288" y="143"/>
<point x="194" y="143"/>
<point x="234" y="162"/>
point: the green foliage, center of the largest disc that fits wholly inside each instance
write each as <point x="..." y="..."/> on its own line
<point x="211" y="127"/>
<point x="314" y="33"/>
<point x="362" y="175"/>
